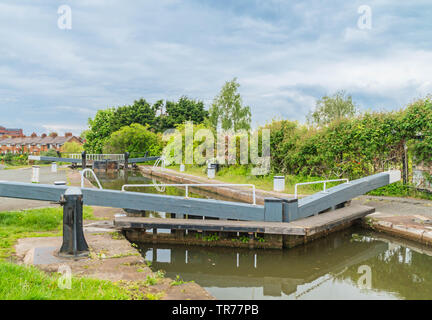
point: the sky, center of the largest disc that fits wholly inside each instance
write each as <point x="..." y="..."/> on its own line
<point x="285" y="54"/>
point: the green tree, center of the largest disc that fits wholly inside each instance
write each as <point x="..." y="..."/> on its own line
<point x="100" y="128"/>
<point x="227" y="109"/>
<point x="184" y="110"/>
<point x="135" y="139"/>
<point x="140" y="112"/>
<point x="72" y="147"/>
<point x="417" y="128"/>
<point x="330" y="108"/>
<point x="110" y="120"/>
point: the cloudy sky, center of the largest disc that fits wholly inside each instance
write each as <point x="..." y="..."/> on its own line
<point x="285" y="54"/>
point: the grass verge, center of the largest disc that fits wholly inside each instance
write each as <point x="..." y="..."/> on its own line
<point x="43" y="222"/>
<point x="29" y="283"/>
<point x="19" y="282"/>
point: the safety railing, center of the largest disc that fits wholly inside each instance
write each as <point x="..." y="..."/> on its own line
<point x="94" y="176"/>
<point x="98" y="157"/>
<point x="316" y="182"/>
<point x="161" y="162"/>
<point x="187" y="185"/>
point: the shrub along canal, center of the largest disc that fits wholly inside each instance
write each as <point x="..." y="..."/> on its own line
<point x="351" y="264"/>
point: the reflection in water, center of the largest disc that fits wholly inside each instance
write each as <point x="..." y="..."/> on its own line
<point x="324" y="269"/>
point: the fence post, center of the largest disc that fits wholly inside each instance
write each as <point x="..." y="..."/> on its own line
<point x="84" y="160"/>
<point x="126" y="160"/>
<point x="74" y="243"/>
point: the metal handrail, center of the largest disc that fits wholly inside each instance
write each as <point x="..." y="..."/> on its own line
<point x="157" y="186"/>
<point x="99" y="157"/>
<point x="315" y="182"/>
<point x="187" y="185"/>
<point x="160" y="161"/>
<point x="94" y="175"/>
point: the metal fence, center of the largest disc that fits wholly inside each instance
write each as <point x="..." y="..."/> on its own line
<point x="96" y="157"/>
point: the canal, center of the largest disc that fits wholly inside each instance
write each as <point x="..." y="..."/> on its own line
<point x="352" y="264"/>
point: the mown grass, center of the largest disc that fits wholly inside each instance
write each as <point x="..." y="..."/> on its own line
<point x="43" y="222"/>
<point x="29" y="283"/>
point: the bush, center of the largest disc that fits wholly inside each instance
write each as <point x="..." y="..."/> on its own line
<point x="135" y="139"/>
<point x="15" y="159"/>
<point x="352" y="148"/>
<point x="49" y="153"/>
<point x="72" y="147"/>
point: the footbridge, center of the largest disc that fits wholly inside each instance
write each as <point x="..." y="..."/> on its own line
<point x="88" y="159"/>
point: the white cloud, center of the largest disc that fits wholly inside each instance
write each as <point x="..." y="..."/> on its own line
<point x="63" y="128"/>
<point x="285" y="55"/>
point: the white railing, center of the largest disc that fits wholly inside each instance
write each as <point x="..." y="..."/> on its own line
<point x="98" y="157"/>
<point x="315" y="182"/>
<point x="160" y="161"/>
<point x="160" y="188"/>
<point x="72" y="155"/>
<point x="187" y="185"/>
<point x="94" y="175"/>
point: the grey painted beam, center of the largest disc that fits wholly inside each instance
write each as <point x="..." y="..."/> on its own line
<point x="144" y="159"/>
<point x="137" y="201"/>
<point x="173" y="204"/>
<point x="344" y="192"/>
<point x="54" y="159"/>
<point x="22" y="190"/>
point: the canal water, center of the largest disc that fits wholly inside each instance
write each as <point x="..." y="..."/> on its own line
<point x="352" y="264"/>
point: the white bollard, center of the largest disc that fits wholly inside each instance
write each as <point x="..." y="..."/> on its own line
<point x="182" y="168"/>
<point x="35" y="174"/>
<point x="211" y="173"/>
<point x="54" y="167"/>
<point x="279" y="183"/>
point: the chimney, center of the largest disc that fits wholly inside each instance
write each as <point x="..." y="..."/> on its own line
<point x="68" y="134"/>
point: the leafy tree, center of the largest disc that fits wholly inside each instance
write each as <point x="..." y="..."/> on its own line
<point x="184" y="110"/>
<point x="100" y="128"/>
<point x="110" y="120"/>
<point x="83" y="134"/>
<point x="72" y="147"/>
<point x="417" y="128"/>
<point x="328" y="109"/>
<point x="228" y="110"/>
<point x="139" y="112"/>
<point x="135" y="139"/>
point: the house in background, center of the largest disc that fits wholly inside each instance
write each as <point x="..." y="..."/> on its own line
<point x="35" y="144"/>
<point x="14" y="133"/>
